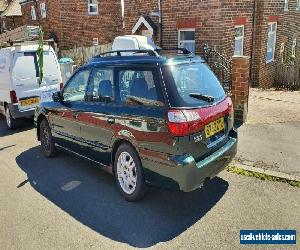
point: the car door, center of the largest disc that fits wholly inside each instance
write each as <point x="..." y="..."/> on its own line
<point x="143" y="109"/>
<point x="64" y="117"/>
<point x="97" y="116"/>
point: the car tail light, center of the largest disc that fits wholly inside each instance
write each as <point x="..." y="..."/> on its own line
<point x="184" y="122"/>
<point x="13" y="97"/>
<point x="61" y="85"/>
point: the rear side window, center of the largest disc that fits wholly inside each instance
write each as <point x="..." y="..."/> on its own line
<point x="194" y="78"/>
<point x="139" y="87"/>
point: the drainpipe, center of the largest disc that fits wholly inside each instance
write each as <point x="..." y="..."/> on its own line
<point x="160" y="23"/>
<point x="253" y="39"/>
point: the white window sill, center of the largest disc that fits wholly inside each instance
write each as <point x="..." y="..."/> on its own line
<point x="270" y="61"/>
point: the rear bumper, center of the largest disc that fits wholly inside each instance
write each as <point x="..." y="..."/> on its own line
<point x="184" y="173"/>
<point x="16" y="113"/>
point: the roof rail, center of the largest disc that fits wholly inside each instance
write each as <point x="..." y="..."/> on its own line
<point x="135" y="51"/>
<point x="183" y="50"/>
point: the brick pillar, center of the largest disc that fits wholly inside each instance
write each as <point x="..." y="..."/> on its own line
<point x="240" y="88"/>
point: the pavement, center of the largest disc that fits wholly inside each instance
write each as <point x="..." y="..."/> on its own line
<point x="270" y="139"/>
<point x="68" y="203"/>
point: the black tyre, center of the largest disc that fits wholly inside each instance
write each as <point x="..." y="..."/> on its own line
<point x="10" y="121"/>
<point x="129" y="173"/>
<point x="47" y="142"/>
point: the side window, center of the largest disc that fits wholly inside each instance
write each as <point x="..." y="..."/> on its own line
<point x="76" y="88"/>
<point x="138" y="87"/>
<point x="101" y="88"/>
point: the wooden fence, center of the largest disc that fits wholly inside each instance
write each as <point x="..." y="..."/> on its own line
<point x="287" y="76"/>
<point x="82" y="55"/>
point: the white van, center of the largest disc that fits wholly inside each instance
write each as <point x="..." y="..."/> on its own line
<point x="20" y="87"/>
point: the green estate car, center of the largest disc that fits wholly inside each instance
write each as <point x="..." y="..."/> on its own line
<point x="148" y="118"/>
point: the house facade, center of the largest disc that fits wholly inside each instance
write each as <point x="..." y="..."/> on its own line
<point x="264" y="30"/>
<point x="10" y="15"/>
<point x="267" y="31"/>
<point x="75" y="23"/>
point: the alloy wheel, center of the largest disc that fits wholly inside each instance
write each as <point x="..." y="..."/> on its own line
<point x="127" y="173"/>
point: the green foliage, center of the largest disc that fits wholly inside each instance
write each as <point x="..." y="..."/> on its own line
<point x="261" y="176"/>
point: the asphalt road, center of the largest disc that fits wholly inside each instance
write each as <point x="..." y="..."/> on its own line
<point x="66" y="203"/>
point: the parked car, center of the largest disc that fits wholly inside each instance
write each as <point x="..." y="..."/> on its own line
<point x="164" y="121"/>
<point x="20" y="87"/>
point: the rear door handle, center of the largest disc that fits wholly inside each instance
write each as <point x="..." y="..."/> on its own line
<point x="111" y="120"/>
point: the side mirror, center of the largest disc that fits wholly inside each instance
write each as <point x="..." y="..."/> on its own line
<point x="57" y="97"/>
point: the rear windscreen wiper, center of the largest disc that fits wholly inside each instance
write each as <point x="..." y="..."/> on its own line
<point x="202" y="97"/>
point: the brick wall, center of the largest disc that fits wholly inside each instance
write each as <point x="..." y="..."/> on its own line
<point x="266" y="11"/>
<point x="72" y="23"/>
<point x="290" y="31"/>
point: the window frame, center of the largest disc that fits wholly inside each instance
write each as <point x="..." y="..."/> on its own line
<point x="242" y="37"/>
<point x="156" y="78"/>
<point x="70" y="80"/>
<point x="93" y="5"/>
<point x="294" y="46"/>
<point x="286" y="5"/>
<point x="43" y="10"/>
<point x="298" y="5"/>
<point x="274" y="44"/>
<point x="187" y="41"/>
<point x="33" y="13"/>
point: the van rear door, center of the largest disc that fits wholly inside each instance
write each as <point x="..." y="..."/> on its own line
<point x="25" y="76"/>
<point x="28" y="87"/>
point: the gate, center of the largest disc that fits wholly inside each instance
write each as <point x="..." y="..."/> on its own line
<point x="220" y="65"/>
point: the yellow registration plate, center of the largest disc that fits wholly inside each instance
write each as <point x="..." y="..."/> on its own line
<point x="30" y="101"/>
<point x="214" y="127"/>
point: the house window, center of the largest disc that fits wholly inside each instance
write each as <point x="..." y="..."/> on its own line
<point x="239" y="40"/>
<point x="298" y="5"/>
<point x="271" y="45"/>
<point x="294" y="45"/>
<point x="186" y="39"/>
<point x="43" y="10"/>
<point x="93" y="7"/>
<point x="286" y="5"/>
<point x="33" y="14"/>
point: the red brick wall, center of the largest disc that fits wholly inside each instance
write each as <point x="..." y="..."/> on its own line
<point x="72" y="24"/>
<point x="291" y="30"/>
<point x="215" y="21"/>
<point x="266" y="11"/>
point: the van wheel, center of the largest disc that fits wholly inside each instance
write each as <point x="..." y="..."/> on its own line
<point x="129" y="173"/>
<point x="47" y="142"/>
<point x="10" y="121"/>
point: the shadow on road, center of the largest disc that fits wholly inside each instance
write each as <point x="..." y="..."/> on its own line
<point x="25" y="124"/>
<point x="89" y="195"/>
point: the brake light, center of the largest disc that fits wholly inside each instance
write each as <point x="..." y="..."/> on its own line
<point x="13" y="97"/>
<point x="61" y="85"/>
<point x="184" y="122"/>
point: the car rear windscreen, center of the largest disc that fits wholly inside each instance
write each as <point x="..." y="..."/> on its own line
<point x="194" y="79"/>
